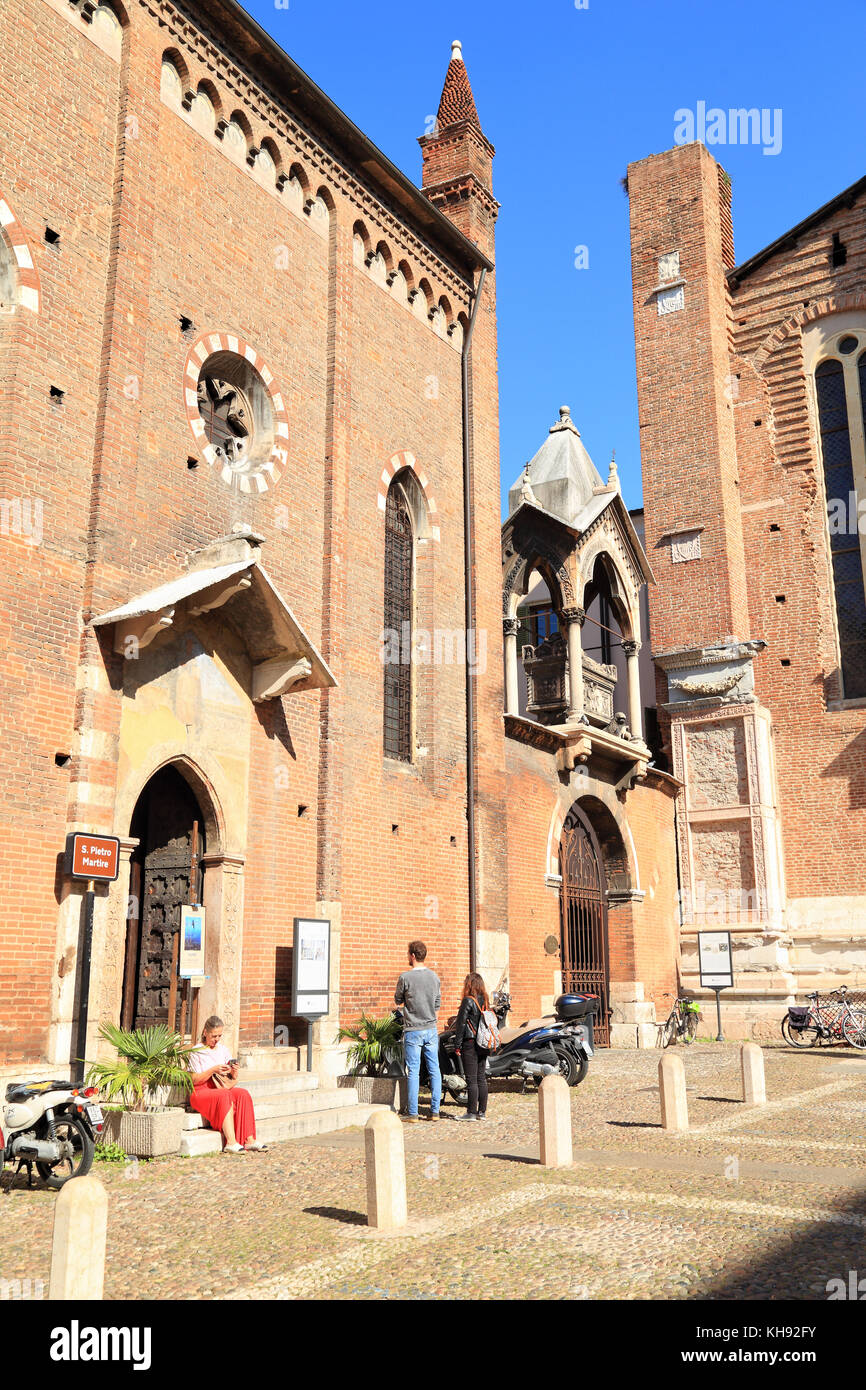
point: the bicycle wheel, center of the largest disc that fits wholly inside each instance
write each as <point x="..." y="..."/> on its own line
<point x="799" y="1037"/>
<point x="691" y="1027"/>
<point x="670" y="1031"/>
<point x="854" y="1029"/>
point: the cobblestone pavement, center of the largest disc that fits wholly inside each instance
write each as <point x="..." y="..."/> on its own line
<point x="765" y="1203"/>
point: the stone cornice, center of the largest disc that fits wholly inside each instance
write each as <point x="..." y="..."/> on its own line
<point x="673" y="658"/>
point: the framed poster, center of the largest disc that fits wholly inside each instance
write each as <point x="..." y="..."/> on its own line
<point x="311" y="967"/>
<point x="715" y="959"/>
<point x="192" y="938"/>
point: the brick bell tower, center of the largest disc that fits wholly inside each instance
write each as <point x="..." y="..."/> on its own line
<point x="458" y="159"/>
<point x="458" y="179"/>
<point x="708" y="659"/>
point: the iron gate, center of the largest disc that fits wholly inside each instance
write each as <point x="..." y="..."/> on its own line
<point x="585" y="968"/>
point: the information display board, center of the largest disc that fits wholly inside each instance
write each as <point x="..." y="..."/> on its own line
<point x="192" y="939"/>
<point x="715" y="959"/>
<point x="311" y="967"/>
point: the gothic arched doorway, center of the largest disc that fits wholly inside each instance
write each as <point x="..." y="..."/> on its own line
<point x="169" y="826"/>
<point x="585" y="959"/>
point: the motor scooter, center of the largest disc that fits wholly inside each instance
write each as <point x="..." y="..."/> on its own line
<point x="52" y="1124"/>
<point x="557" y="1043"/>
<point x="539" y="1047"/>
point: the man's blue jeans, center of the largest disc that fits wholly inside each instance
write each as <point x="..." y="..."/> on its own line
<point x="414" y="1042"/>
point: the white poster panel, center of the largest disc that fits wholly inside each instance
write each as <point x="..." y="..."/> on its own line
<point x="715" y="959"/>
<point x="192" y="937"/>
<point x="311" y="967"/>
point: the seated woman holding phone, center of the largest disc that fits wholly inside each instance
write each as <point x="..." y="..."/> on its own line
<point x="216" y="1095"/>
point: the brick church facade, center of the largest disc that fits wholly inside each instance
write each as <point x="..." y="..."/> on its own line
<point x="249" y="426"/>
<point x="752" y="399"/>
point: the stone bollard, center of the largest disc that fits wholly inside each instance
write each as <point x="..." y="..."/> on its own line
<point x="78" y="1244"/>
<point x="554" y="1123"/>
<point x="672" y="1089"/>
<point x="386" y="1171"/>
<point x="754" y="1083"/>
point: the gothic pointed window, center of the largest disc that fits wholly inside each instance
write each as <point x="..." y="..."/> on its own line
<point x="840" y="389"/>
<point x="399" y="575"/>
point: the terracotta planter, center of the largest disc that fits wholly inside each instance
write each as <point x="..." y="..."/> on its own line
<point x="145" y="1133"/>
<point x="378" y="1090"/>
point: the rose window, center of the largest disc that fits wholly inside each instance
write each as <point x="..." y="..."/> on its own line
<point x="236" y="412"/>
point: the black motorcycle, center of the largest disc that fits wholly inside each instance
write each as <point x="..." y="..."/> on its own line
<point x="539" y="1047"/>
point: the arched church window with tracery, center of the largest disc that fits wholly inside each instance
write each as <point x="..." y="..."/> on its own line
<point x="397" y="655"/>
<point x="840" y="389"/>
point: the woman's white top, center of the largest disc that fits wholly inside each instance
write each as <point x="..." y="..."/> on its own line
<point x="206" y="1057"/>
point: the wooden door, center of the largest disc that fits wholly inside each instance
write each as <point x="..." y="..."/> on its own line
<point x="164" y="824"/>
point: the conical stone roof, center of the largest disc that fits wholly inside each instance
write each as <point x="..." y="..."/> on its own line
<point x="562" y="476"/>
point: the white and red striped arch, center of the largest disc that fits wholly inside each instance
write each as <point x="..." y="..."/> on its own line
<point x="28" y="278"/>
<point x="394" y="465"/>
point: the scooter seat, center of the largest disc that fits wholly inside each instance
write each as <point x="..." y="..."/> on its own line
<point x="23" y="1090"/>
<point x="509" y="1034"/>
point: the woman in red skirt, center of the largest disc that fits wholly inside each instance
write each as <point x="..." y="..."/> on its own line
<point x="225" y="1105"/>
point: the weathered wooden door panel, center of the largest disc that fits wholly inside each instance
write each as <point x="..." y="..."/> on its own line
<point x="163" y="822"/>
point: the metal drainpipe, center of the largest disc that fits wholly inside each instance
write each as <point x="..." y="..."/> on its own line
<point x="470" y="623"/>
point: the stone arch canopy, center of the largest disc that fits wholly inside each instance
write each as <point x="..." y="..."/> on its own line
<point x="598" y="804"/>
<point x="524" y="552"/>
<point x="205" y="778"/>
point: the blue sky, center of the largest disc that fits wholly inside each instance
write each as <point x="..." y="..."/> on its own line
<point x="569" y="97"/>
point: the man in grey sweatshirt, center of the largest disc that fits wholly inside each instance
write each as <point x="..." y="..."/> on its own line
<point x="419" y="992"/>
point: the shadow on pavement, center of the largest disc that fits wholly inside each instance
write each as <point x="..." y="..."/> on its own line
<point x="341" y="1214"/>
<point x="801" y="1265"/>
<point x="635" y="1124"/>
<point x="513" y="1158"/>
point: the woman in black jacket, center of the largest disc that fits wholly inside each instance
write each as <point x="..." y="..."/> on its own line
<point x="474" y="1057"/>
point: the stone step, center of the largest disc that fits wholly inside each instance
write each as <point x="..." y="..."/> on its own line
<point x="261" y="1084"/>
<point x="278" y="1130"/>
<point x="289" y="1103"/>
<point x="280" y="1060"/>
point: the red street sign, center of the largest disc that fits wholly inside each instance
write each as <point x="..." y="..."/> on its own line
<point x="94" y="856"/>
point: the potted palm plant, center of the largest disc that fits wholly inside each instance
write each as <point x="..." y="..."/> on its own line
<point x="151" y="1070"/>
<point x="374" y="1060"/>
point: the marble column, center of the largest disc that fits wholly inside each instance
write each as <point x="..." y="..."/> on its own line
<point x="223" y="896"/>
<point x="510" y="628"/>
<point x="635" y="708"/>
<point x="574" y="619"/>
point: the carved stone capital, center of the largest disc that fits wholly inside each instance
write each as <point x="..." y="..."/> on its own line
<point x="574" y="615"/>
<point x="631" y="648"/>
<point x="510" y="627"/>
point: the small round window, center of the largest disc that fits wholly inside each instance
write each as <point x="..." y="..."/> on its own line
<point x="235" y="412"/>
<point x="847" y="345"/>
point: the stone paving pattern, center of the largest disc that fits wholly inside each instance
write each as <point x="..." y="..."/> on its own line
<point x="765" y="1203"/>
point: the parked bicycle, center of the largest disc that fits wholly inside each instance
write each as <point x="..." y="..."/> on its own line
<point x="682" y="1022"/>
<point x="822" y="1022"/>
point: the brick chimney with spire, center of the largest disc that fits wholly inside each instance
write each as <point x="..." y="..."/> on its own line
<point x="458" y="159"/>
